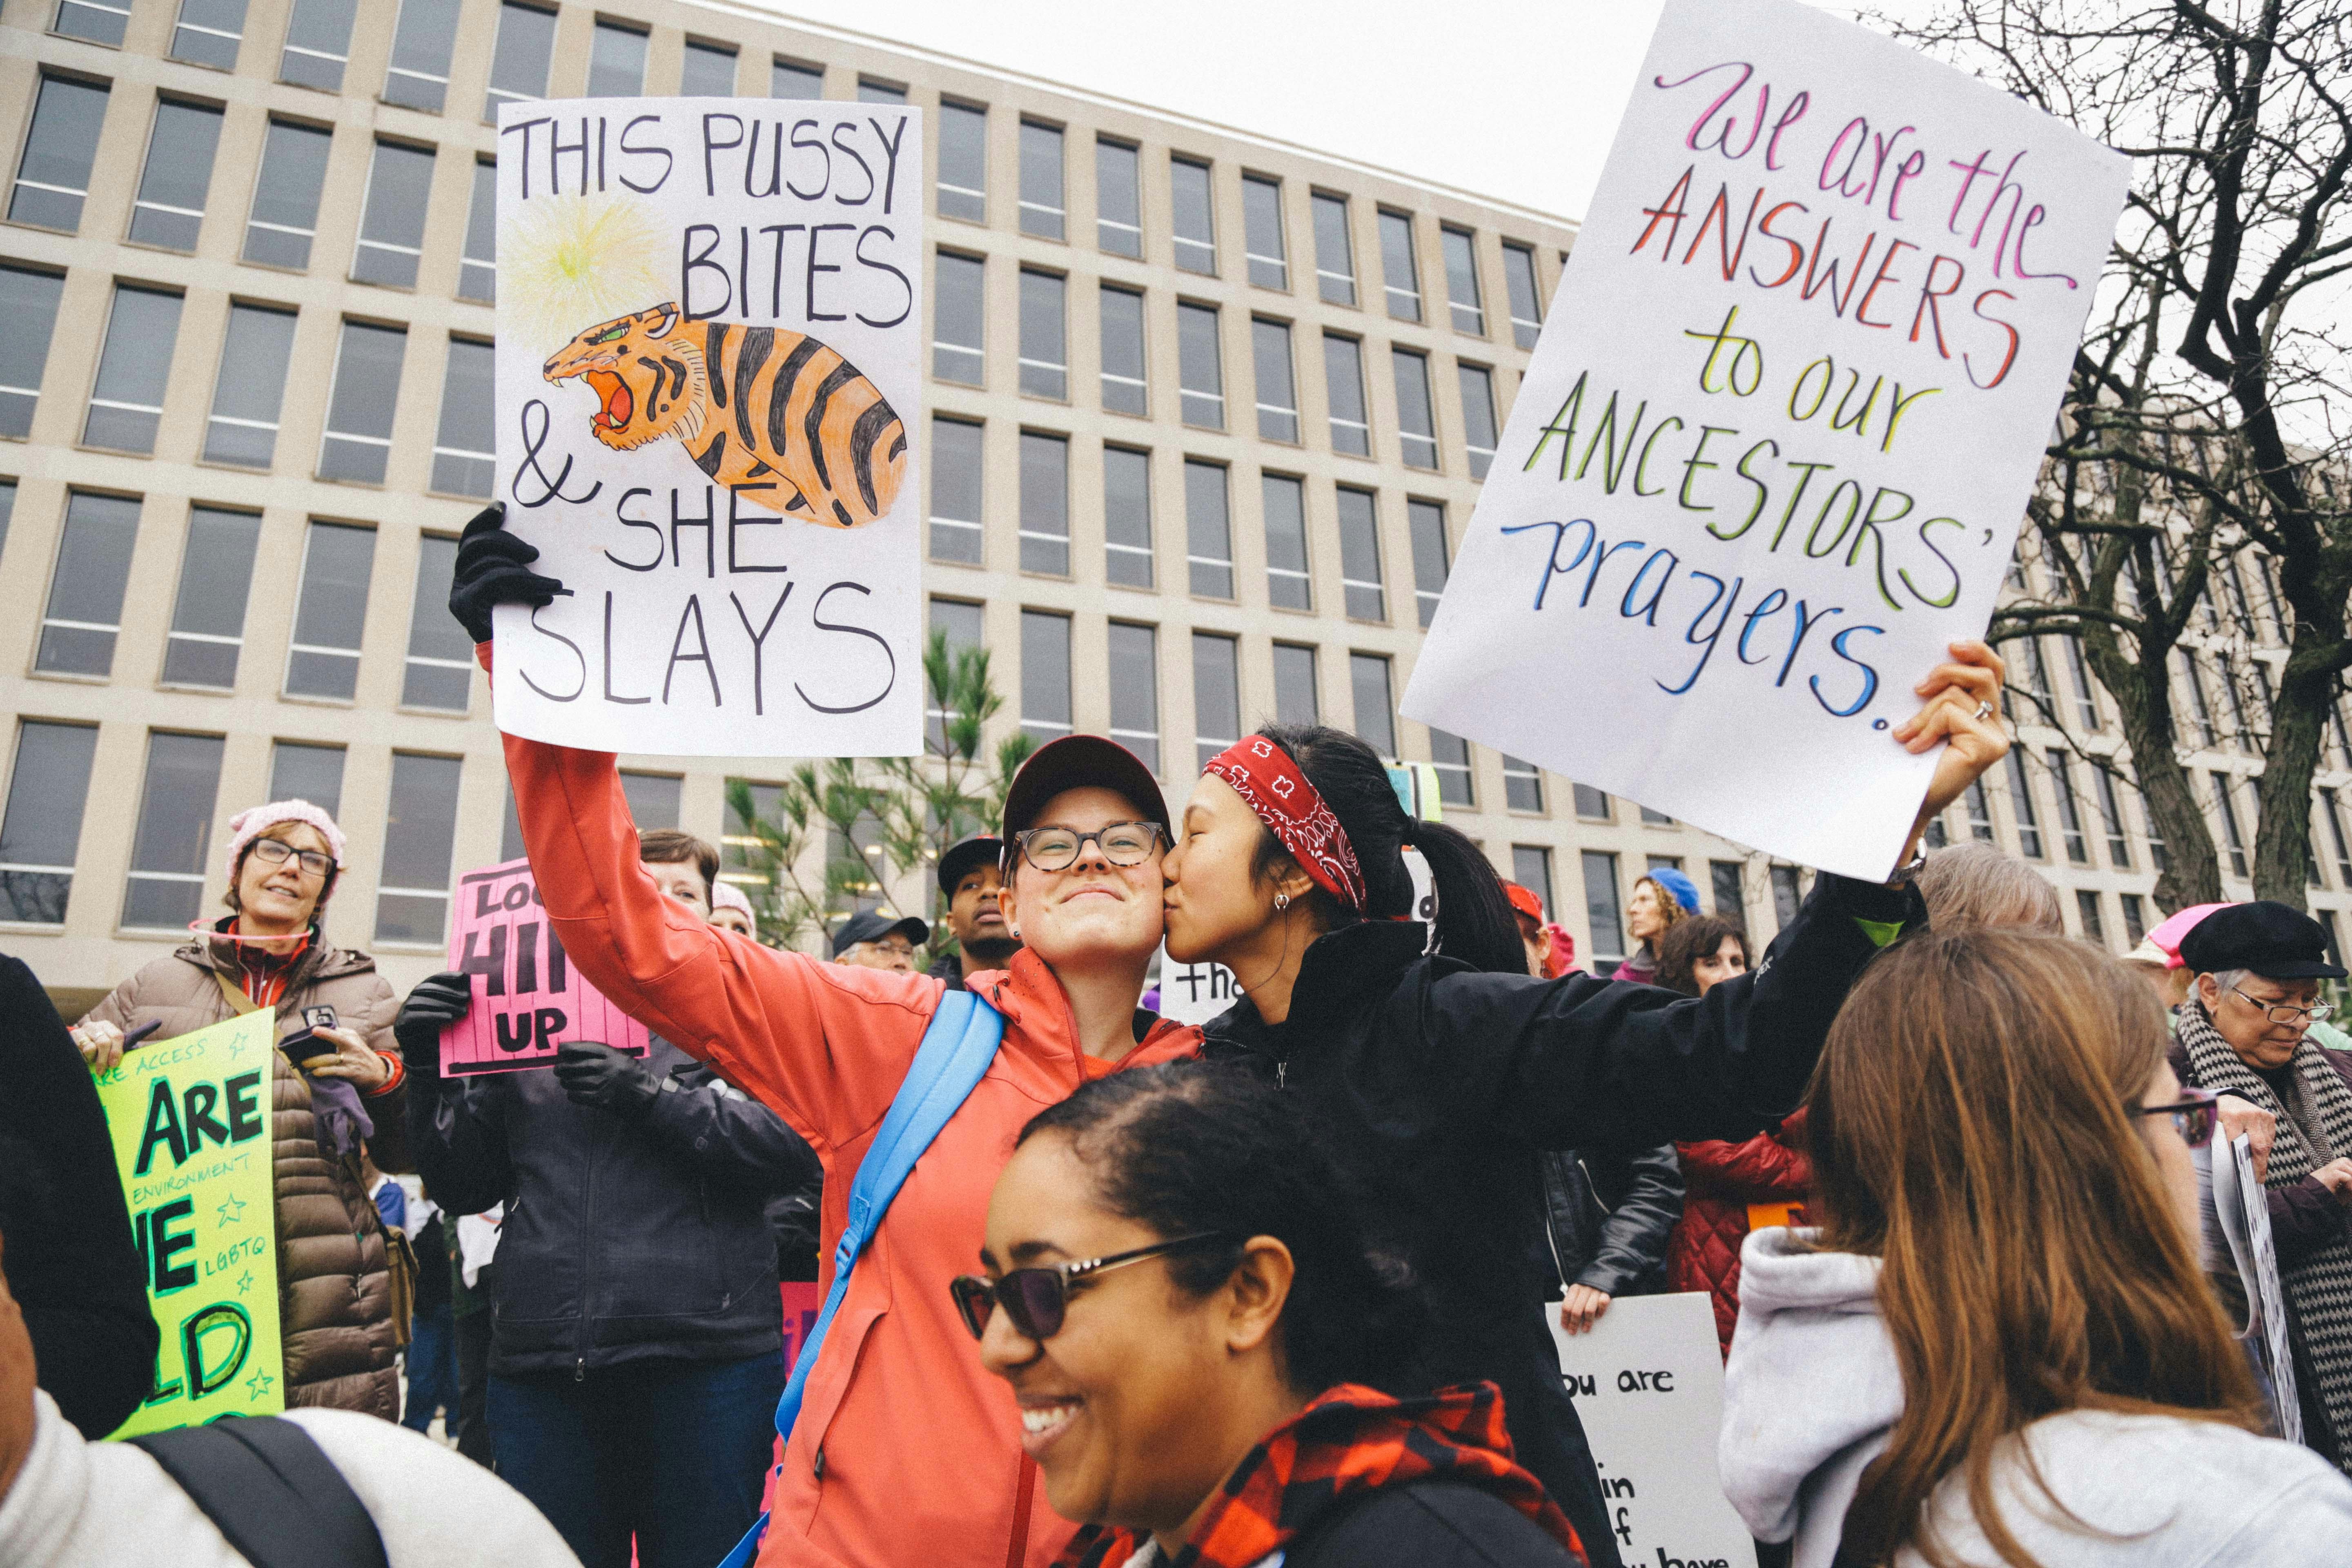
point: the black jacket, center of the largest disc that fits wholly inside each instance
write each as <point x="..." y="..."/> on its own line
<point x="625" y="1240"/>
<point x="71" y="1264"/>
<point x="1432" y="1523"/>
<point x="1607" y="1218"/>
<point x="1436" y="1085"/>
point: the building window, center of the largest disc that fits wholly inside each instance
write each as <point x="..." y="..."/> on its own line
<point x="208" y="615"/>
<point x="2135" y="920"/>
<point x="1980" y="809"/>
<point x="85" y="608"/>
<point x="1461" y="249"/>
<point x="1360" y="578"/>
<point x="169" y="210"/>
<point x="133" y="370"/>
<point x="2086" y="907"/>
<point x="963" y="162"/>
<point x="1788" y="895"/>
<point x="1124" y="390"/>
<point x="1522" y="784"/>
<point x="2335" y="814"/>
<point x="41" y="833"/>
<point x="360" y="409"/>
<point x="519" y="62"/>
<point x="251" y="389"/>
<point x="960" y="282"/>
<point x="28" y="302"/>
<point x="418" y="74"/>
<point x="1416" y="423"/>
<point x="1287" y="584"/>
<point x="1118" y="199"/>
<point x="166" y="886"/>
<point x="285" y="216"/>
<point x="420" y="835"/>
<point x="616" y="61"/>
<point x="2232" y="839"/>
<point x="1343" y="375"/>
<point x="1450" y="754"/>
<point x="2111" y="818"/>
<point x="1126" y="517"/>
<point x="1297" y="692"/>
<point x="794" y="79"/>
<point x="96" y="20"/>
<point x="737" y="841"/>
<point x="957" y="533"/>
<point x="1400" y="273"/>
<point x="1426" y="520"/>
<point x="318" y="44"/>
<point x="1602" y="916"/>
<point x="1042" y="210"/>
<point x="315" y="774"/>
<point x="2208" y="737"/>
<point x="873" y="90"/>
<point x="1195" y="228"/>
<point x="392" y="232"/>
<point x="1730" y="890"/>
<point x="1045" y="674"/>
<point x="1045" y="504"/>
<point x="53" y="174"/>
<point x="1216" y="696"/>
<point x="1478" y="417"/>
<point x="654" y="798"/>
<point x="1269" y="258"/>
<point x="1591" y="805"/>
<point x="959" y="623"/>
<point x="1527" y="304"/>
<point x="477" y="272"/>
<point x="1278" y="393"/>
<point x="707" y="71"/>
<point x="1335" y="253"/>
<point x="330" y="612"/>
<point x="440" y="668"/>
<point x="1208" y="530"/>
<point x="459" y="467"/>
<point x="2070" y="814"/>
<point x="1368" y="680"/>
<point x="1135" y="690"/>
<point x="8" y="511"/>
<point x="1531" y="869"/>
<point x="2021" y="805"/>
<point x="1200" y="367"/>
<point x="2086" y="701"/>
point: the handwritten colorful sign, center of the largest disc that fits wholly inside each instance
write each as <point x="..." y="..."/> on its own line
<point x="1774" y="446"/>
<point x="528" y="999"/>
<point x="190" y="1121"/>
<point x="708" y="395"/>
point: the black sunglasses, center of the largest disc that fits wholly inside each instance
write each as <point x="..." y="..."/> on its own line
<point x="1036" y="1298"/>
<point x="2195" y="1117"/>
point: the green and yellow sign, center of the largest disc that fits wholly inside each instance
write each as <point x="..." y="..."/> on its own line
<point x="190" y="1120"/>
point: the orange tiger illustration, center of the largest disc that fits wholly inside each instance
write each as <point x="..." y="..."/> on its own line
<point x="773" y="412"/>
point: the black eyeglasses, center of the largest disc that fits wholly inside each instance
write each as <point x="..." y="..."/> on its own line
<point x="276" y="852"/>
<point x="1121" y="843"/>
<point x="1036" y="1298"/>
<point x="2193" y="1118"/>
<point x="2285" y="1011"/>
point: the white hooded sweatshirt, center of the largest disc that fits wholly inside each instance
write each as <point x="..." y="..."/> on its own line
<point x="1812" y="1390"/>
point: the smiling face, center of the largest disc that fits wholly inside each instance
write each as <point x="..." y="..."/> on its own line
<point x="1216" y="902"/>
<point x="283" y="895"/>
<point x="1092" y="911"/>
<point x="647" y="373"/>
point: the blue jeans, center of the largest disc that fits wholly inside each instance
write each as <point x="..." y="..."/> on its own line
<point x="432" y="1368"/>
<point x="672" y="1452"/>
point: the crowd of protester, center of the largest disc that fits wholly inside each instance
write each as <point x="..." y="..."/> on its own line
<point x="1275" y="1290"/>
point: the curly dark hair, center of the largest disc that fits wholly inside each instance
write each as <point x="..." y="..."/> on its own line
<point x="1687" y="941"/>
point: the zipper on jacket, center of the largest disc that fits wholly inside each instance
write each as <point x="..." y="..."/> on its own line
<point x="1282" y="1074"/>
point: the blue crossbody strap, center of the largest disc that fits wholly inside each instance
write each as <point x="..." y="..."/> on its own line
<point x="958" y="1046"/>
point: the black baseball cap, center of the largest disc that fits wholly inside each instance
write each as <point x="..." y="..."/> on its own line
<point x="1078" y="761"/>
<point x="2275" y="940"/>
<point x="872" y="926"/>
<point x="980" y="850"/>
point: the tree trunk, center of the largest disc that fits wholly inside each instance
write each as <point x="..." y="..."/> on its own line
<point x="2299" y="725"/>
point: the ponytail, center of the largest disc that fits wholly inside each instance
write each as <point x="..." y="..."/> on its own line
<point x="1475" y="922"/>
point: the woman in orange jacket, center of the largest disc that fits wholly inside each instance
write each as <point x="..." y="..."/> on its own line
<point x="905" y="1451"/>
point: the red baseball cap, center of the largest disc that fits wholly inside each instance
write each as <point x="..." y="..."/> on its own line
<point x="1524" y="901"/>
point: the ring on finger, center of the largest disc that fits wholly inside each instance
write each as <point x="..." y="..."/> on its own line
<point x="1983" y="710"/>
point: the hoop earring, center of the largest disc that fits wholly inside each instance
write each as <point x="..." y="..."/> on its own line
<point x="1282" y="901"/>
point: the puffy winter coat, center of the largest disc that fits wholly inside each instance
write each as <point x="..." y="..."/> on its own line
<point x="334" y="1282"/>
<point x="1725" y="1178"/>
<point x="1607" y="1216"/>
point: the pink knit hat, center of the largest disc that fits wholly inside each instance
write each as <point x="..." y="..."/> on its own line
<point x="254" y="821"/>
<point x="2168" y="936"/>
<point x="728" y="896"/>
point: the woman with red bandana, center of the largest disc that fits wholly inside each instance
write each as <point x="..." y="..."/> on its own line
<point x="1438" y="1069"/>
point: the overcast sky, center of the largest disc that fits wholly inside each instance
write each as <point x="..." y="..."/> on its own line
<point x="1512" y="99"/>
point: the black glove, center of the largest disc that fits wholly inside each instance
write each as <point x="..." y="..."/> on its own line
<point x="597" y="1074"/>
<point x="438" y="1001"/>
<point x="493" y="569"/>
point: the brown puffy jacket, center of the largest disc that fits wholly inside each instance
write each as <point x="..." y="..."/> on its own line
<point x="334" y="1282"/>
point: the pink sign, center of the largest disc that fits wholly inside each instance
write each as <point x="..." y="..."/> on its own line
<point x="528" y="999"/>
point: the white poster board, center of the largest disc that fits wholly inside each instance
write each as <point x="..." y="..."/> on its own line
<point x="1775" y="443"/>
<point x="709" y="399"/>
<point x="2241" y="1208"/>
<point x="1648" y="1385"/>
<point x="1194" y="993"/>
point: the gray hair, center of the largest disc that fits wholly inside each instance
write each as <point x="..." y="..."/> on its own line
<point x="1977" y="885"/>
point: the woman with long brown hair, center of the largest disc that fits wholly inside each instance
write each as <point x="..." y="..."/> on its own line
<point x="1997" y="1347"/>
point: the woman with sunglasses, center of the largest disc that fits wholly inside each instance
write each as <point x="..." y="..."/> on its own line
<point x="1438" y="1086"/>
<point x="1190" y="1317"/>
<point x="902" y="1451"/>
<point x="1998" y="1349"/>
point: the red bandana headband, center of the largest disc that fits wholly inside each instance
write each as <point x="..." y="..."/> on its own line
<point x="1263" y="775"/>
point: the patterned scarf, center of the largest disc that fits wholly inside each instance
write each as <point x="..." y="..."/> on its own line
<point x="2319" y="1289"/>
<point x="1349" y="1441"/>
